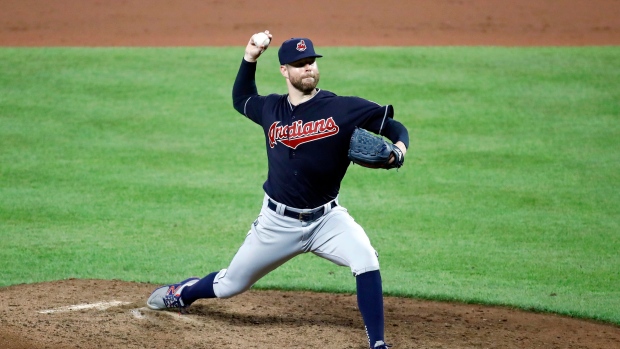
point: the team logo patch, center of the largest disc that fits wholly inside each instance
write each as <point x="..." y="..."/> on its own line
<point x="301" y="46"/>
<point x="171" y="290"/>
<point x="299" y="133"/>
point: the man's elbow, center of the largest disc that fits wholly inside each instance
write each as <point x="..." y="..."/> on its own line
<point x="238" y="104"/>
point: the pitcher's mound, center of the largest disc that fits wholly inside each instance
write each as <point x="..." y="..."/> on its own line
<point x="112" y="314"/>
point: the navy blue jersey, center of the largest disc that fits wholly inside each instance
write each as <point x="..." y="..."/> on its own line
<point x="307" y="144"/>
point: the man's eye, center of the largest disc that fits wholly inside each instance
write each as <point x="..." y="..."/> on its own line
<point x="302" y="63"/>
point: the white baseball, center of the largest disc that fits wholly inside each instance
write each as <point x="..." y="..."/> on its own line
<point x="261" y="39"/>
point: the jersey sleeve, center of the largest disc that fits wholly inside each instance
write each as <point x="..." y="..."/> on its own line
<point x="246" y="99"/>
<point x="380" y="120"/>
<point x="395" y="131"/>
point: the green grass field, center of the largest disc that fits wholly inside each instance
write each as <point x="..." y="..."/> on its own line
<point x="131" y="164"/>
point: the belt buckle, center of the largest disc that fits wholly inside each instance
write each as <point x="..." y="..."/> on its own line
<point x="302" y="214"/>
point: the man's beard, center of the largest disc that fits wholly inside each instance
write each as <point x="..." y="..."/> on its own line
<point x="305" y="86"/>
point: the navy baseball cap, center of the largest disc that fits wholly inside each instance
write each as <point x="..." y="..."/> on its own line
<point x="295" y="49"/>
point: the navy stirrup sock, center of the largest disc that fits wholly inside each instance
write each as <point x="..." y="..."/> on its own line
<point x="370" y="302"/>
<point x="202" y="289"/>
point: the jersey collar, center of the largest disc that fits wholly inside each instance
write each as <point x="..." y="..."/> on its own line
<point x="293" y="106"/>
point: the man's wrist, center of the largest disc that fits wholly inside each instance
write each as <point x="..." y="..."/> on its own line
<point x="402" y="147"/>
<point x="249" y="59"/>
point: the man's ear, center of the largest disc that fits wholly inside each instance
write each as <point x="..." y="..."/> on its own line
<point x="284" y="71"/>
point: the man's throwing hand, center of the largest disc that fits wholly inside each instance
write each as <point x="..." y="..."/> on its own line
<point x="257" y="45"/>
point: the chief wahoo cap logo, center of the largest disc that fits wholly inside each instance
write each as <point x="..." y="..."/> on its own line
<point x="301" y="46"/>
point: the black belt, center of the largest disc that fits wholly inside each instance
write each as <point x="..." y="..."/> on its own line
<point x="302" y="216"/>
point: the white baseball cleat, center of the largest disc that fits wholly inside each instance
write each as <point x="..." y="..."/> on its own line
<point x="381" y="345"/>
<point x="169" y="296"/>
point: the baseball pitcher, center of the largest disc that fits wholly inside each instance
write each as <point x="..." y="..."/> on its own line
<point x="311" y="137"/>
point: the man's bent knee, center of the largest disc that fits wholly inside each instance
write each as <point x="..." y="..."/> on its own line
<point x="224" y="287"/>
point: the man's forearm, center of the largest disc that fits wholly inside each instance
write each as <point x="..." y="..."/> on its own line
<point x="245" y="85"/>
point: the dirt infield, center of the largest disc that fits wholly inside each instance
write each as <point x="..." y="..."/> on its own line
<point x="112" y="314"/>
<point x="328" y="23"/>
